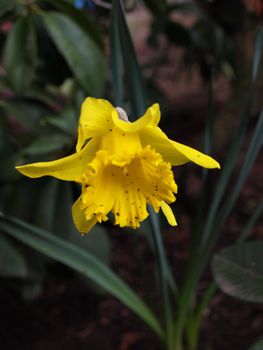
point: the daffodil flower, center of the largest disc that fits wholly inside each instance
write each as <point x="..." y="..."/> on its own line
<point x="122" y="166"/>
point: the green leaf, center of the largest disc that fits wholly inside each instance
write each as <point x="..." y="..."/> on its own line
<point x="132" y="68"/>
<point x="6" y="152"/>
<point x="96" y="243"/>
<point x="20" y="54"/>
<point x="257" y="54"/>
<point x="30" y="114"/>
<point x="254" y="147"/>
<point x="116" y="56"/>
<point x="81" y="261"/>
<point x="65" y="122"/>
<point x="79" y="50"/>
<point x="45" y="205"/>
<point x="257" y="346"/>
<point x="80" y="18"/>
<point x="42" y="95"/>
<point x="22" y="198"/>
<point x="6" y="5"/>
<point x="251" y="222"/>
<point x="238" y="271"/>
<point x="46" y="144"/>
<point x="12" y="263"/>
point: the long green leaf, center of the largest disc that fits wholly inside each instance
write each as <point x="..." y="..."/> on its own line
<point x="29" y="114"/>
<point x="251" y="222"/>
<point x="46" y="144"/>
<point x="6" y="151"/>
<point x="12" y="262"/>
<point x="116" y="56"/>
<point x="257" y="54"/>
<point x="81" y="261"/>
<point x="20" y="54"/>
<point x="80" y="18"/>
<point x="132" y="68"/>
<point x="82" y="54"/>
<point x="254" y="147"/>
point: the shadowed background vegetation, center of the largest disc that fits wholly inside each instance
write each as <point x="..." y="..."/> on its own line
<point x="201" y="60"/>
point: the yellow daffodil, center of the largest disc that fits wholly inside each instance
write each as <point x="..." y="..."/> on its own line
<point x="122" y="166"/>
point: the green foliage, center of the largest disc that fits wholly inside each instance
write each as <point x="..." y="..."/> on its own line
<point x="79" y="50"/>
<point x="44" y="49"/>
<point x="20" y="54"/>
<point x="7" y="5"/>
<point x="257" y="346"/>
<point x="238" y="270"/>
<point x="12" y="263"/>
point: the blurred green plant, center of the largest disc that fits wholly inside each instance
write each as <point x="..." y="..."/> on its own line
<point x="257" y="346"/>
<point x="53" y="57"/>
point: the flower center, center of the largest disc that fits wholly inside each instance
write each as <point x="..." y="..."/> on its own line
<point x="125" y="186"/>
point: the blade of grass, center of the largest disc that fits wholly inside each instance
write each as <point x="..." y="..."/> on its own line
<point x="251" y="222"/>
<point x="257" y="54"/>
<point x="132" y="68"/>
<point x="201" y="207"/>
<point x="254" y="147"/>
<point x="81" y="261"/>
<point x="227" y="170"/>
<point x="194" y="322"/>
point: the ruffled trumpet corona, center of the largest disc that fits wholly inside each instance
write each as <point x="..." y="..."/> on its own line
<point x="122" y="167"/>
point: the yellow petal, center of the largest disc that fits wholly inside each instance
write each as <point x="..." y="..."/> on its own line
<point x="174" y="152"/>
<point x="120" y="143"/>
<point x="196" y="156"/>
<point x="150" y="118"/>
<point x="82" y="224"/>
<point x="95" y="119"/>
<point x="168" y="213"/>
<point x="67" y="168"/>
